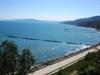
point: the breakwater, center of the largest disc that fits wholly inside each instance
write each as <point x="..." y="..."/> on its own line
<point x="45" y="40"/>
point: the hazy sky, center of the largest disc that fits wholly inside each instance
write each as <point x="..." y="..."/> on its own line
<point x="48" y="9"/>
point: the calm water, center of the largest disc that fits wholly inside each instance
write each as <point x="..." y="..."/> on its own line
<point x="71" y="37"/>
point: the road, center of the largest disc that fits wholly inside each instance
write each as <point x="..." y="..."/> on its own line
<point x="50" y="69"/>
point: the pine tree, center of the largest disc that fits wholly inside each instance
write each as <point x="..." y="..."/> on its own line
<point x="8" y="53"/>
<point x="13" y="62"/>
<point x="25" y="62"/>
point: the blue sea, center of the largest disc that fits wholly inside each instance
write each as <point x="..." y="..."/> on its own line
<point x="49" y="40"/>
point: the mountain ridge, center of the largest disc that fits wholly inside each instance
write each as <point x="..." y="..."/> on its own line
<point x="92" y="22"/>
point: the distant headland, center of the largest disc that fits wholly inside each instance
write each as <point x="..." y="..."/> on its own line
<point x="92" y="22"/>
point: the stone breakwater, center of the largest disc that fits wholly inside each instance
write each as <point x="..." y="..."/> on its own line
<point x="37" y="39"/>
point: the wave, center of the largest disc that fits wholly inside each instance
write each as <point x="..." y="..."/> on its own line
<point x="54" y="48"/>
<point x="78" y="49"/>
<point x="84" y="46"/>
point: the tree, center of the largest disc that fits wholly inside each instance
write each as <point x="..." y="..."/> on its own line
<point x="0" y="61"/>
<point x="12" y="62"/>
<point x="8" y="57"/>
<point x="25" y="62"/>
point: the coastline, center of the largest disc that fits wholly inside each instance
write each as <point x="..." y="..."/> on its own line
<point x="58" y="60"/>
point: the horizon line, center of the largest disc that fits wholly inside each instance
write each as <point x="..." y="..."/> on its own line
<point x="45" y="19"/>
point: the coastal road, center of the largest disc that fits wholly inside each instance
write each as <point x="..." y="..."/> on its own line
<point x="50" y="69"/>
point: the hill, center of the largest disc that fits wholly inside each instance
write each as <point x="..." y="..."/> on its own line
<point x="92" y="22"/>
<point x="21" y="20"/>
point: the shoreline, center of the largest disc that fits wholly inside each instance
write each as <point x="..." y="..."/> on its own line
<point x="57" y="60"/>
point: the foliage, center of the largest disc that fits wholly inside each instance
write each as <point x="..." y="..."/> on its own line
<point x="25" y="62"/>
<point x="12" y="62"/>
<point x="90" y="65"/>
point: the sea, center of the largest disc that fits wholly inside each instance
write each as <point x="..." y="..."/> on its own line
<point x="47" y="40"/>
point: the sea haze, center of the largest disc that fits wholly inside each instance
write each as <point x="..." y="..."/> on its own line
<point x="47" y="40"/>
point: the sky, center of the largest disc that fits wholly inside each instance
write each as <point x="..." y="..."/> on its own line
<point x="49" y="9"/>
